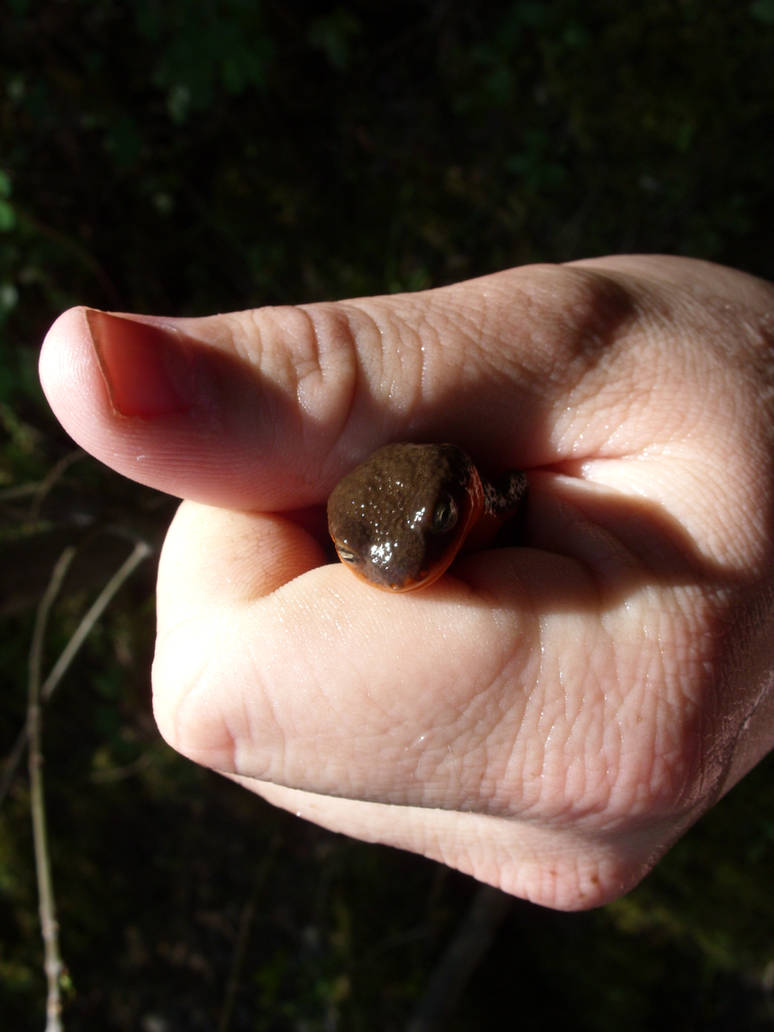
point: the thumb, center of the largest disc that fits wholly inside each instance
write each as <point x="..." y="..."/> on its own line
<point x="266" y="409"/>
<point x="219" y="409"/>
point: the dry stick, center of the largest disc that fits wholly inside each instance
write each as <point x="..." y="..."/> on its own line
<point x="36" y="694"/>
<point x="48" y="925"/>
<point x="50" y="479"/>
<point x="38" y="489"/>
<point x="462" y="956"/>
<point x="243" y="935"/>
<point x="140" y="552"/>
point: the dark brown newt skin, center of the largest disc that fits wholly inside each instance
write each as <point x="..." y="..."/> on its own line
<point x="399" y="519"/>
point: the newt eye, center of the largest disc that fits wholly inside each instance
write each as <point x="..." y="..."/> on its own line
<point x="445" y="515"/>
<point x="345" y="554"/>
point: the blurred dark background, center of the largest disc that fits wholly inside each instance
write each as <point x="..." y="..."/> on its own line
<point x="185" y="158"/>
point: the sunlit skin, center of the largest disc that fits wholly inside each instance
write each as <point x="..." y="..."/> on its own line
<point x="549" y="717"/>
<point x="400" y="518"/>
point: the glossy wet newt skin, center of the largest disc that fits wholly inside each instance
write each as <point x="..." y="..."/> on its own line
<point x="399" y="519"/>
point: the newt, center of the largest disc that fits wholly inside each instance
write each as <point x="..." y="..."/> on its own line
<point x="400" y="518"/>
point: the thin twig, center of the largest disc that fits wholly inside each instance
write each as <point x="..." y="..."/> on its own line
<point x="74" y="247"/>
<point x="465" y="951"/>
<point x="243" y="935"/>
<point x="140" y="552"/>
<point x="49" y="481"/>
<point x="39" y="488"/>
<point x="48" y="925"/>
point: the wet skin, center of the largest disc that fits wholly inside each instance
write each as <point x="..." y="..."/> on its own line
<point x="399" y="519"/>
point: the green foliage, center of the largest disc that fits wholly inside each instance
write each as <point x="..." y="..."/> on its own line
<point x="186" y="158"/>
<point x="333" y="34"/>
<point x="763" y="11"/>
<point x="234" y="136"/>
<point x="7" y="213"/>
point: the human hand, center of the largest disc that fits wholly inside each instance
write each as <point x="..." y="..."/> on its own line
<point x="548" y="718"/>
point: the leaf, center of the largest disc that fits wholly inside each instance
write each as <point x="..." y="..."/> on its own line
<point x="763" y="11"/>
<point x="7" y="216"/>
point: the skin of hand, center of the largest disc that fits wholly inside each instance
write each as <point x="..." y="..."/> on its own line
<point x="549" y="718"/>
